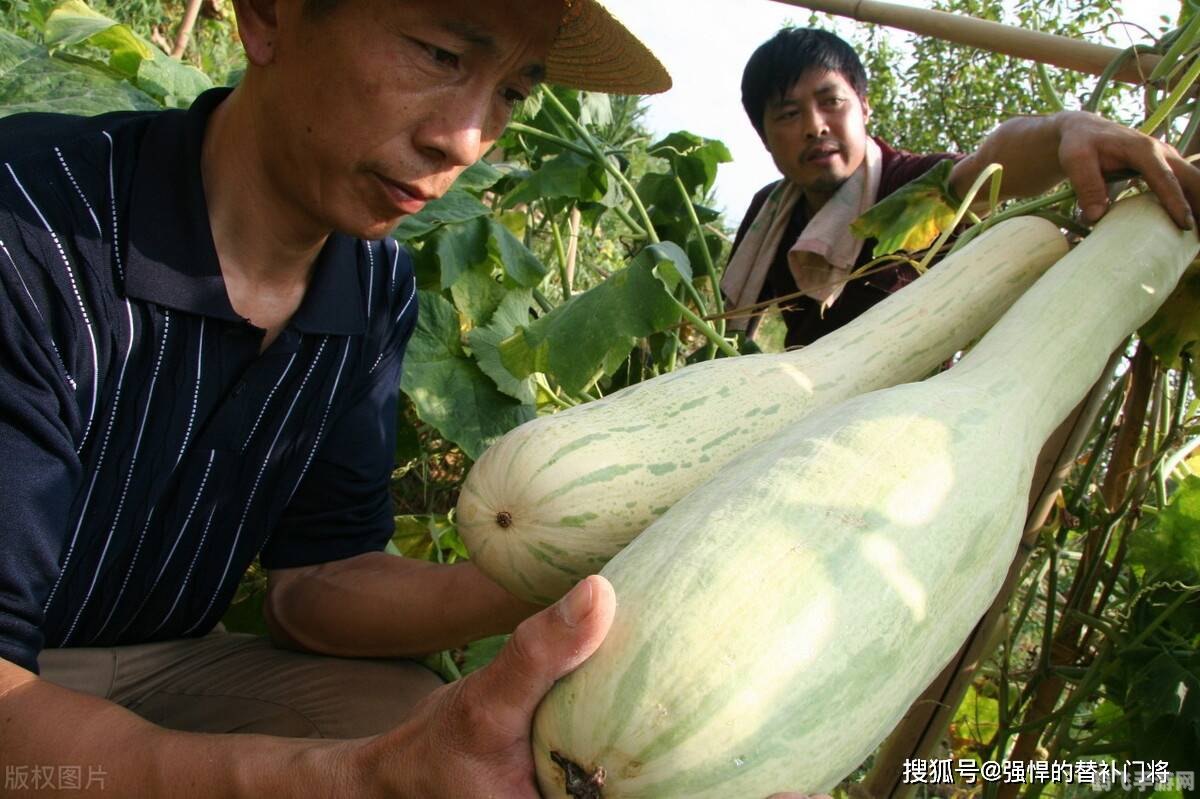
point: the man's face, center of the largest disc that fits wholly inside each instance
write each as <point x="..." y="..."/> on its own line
<point x="817" y="133"/>
<point x="378" y="105"/>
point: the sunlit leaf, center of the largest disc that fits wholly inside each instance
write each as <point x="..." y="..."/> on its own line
<point x="31" y="80"/>
<point x="175" y="83"/>
<point x="693" y="158"/>
<point x="911" y="218"/>
<point x="1168" y="544"/>
<point x="74" y="21"/>
<point x="594" y="330"/>
<point x="569" y="175"/>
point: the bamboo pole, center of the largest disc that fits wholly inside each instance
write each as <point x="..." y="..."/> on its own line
<point x="921" y="729"/>
<point x="1044" y="48"/>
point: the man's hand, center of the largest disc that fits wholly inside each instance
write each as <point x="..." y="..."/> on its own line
<point x="470" y="739"/>
<point x="1090" y="145"/>
<point x="1039" y="152"/>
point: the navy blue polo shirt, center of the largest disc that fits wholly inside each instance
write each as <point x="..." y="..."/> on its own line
<point x="148" y="451"/>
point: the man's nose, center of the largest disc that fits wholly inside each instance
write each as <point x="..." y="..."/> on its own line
<point x="815" y="124"/>
<point x="454" y="135"/>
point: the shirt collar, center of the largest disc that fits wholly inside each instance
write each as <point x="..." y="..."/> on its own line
<point x="171" y="258"/>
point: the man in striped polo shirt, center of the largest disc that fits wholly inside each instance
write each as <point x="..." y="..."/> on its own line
<point x="200" y="349"/>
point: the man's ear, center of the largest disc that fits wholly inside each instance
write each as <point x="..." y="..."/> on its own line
<point x="257" y="23"/>
<point x="866" y="107"/>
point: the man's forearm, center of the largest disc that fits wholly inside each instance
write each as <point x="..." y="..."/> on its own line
<point x="379" y="605"/>
<point x="44" y="726"/>
<point x="1027" y="148"/>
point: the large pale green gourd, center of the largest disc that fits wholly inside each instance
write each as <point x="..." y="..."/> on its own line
<point x="553" y="500"/>
<point x="775" y="624"/>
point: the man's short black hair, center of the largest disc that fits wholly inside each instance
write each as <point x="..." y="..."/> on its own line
<point x="780" y="61"/>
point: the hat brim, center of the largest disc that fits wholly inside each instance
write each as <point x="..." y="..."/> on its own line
<point x="594" y="51"/>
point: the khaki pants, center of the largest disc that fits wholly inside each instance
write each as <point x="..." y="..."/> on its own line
<point x="234" y="683"/>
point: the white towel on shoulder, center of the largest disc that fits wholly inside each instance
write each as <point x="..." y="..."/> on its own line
<point x="823" y="256"/>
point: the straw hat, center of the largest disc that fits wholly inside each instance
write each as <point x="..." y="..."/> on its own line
<point x="594" y="51"/>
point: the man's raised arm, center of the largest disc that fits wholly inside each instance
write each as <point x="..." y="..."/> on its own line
<point x="1039" y="152"/>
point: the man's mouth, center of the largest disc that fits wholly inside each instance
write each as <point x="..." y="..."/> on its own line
<point x="822" y="154"/>
<point x="406" y="197"/>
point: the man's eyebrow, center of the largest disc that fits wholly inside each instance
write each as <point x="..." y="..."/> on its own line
<point x="475" y="36"/>
<point x="470" y="34"/>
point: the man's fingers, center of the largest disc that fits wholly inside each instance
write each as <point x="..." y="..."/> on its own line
<point x="1162" y="180"/>
<point x="1082" y="168"/>
<point x="544" y="648"/>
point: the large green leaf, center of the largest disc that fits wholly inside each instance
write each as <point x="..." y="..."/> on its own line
<point x="1168" y="544"/>
<point x="447" y="387"/>
<point x="568" y="176"/>
<point x="31" y="80"/>
<point x="73" y="22"/>
<point x="175" y="83"/>
<point x="477" y="294"/>
<point x="594" y="331"/>
<point x="694" y="158"/>
<point x="462" y="248"/>
<point x="520" y="265"/>
<point x="1176" y="326"/>
<point x="911" y="218"/>
<point x="512" y="314"/>
<point x="454" y="206"/>
<point x="479" y="176"/>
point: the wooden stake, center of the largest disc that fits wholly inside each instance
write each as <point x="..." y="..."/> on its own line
<point x="1044" y="48"/>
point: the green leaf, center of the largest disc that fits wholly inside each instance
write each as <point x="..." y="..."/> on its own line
<point x="977" y="718"/>
<point x="693" y="158"/>
<point x="175" y="83"/>
<point x="673" y="266"/>
<point x="577" y="340"/>
<point x="477" y="294"/>
<point x="447" y="387"/>
<point x="411" y="538"/>
<point x="30" y="80"/>
<point x="482" y="652"/>
<point x="1168" y="544"/>
<point x="74" y="21"/>
<point x="512" y="314"/>
<point x="461" y="248"/>
<point x="517" y="261"/>
<point x="408" y="444"/>
<point x="1162" y="687"/>
<point x="479" y="176"/>
<point x="569" y="176"/>
<point x="454" y="206"/>
<point x="1176" y="326"/>
<point x="911" y="218"/>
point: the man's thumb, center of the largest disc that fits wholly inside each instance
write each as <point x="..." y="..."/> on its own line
<point x="544" y="648"/>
